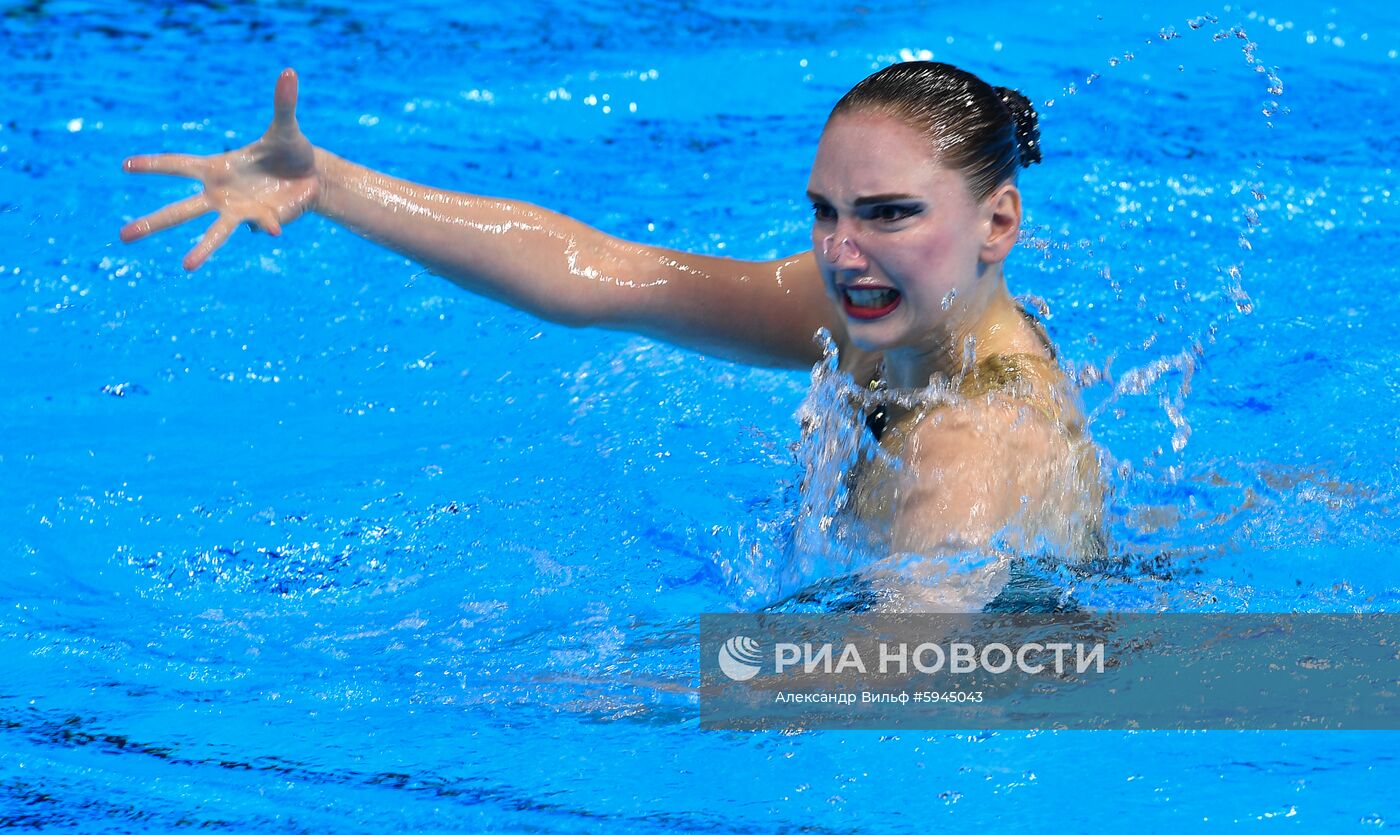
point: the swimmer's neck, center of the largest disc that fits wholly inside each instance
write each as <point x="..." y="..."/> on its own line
<point x="983" y="328"/>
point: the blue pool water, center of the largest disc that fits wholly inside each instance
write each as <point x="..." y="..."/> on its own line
<point x="311" y="541"/>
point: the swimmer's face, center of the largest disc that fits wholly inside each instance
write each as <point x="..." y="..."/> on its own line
<point x="900" y="239"/>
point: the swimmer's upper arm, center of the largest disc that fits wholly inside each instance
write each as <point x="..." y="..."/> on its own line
<point x="758" y="312"/>
<point x="557" y="268"/>
<point x="974" y="471"/>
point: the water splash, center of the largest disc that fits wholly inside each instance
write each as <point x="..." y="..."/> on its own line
<point x="825" y="541"/>
<point x="1138" y="215"/>
<point x="841" y="552"/>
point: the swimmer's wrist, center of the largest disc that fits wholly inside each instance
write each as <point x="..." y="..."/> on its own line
<point x="326" y="166"/>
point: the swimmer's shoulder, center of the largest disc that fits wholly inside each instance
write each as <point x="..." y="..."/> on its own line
<point x="1000" y="428"/>
<point x="1029" y="383"/>
<point x="963" y="470"/>
<point x="1013" y="422"/>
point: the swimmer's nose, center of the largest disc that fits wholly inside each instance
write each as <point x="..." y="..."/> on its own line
<point x="839" y="251"/>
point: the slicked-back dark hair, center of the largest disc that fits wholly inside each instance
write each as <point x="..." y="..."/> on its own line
<point x="985" y="132"/>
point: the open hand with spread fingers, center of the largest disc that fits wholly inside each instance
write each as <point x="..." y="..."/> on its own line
<point x="267" y="184"/>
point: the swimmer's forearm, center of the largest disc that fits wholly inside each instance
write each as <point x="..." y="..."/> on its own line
<point x="539" y="261"/>
<point x="565" y="271"/>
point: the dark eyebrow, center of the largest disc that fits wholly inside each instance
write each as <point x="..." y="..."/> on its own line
<point x="884" y="198"/>
<point x="868" y="201"/>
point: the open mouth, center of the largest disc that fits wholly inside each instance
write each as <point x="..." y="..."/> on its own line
<point x="869" y="302"/>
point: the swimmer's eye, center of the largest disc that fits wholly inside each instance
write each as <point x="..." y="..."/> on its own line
<point x="893" y="212"/>
<point x="823" y="213"/>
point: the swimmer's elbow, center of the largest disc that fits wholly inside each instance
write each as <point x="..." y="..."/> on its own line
<point x="615" y="289"/>
<point x="577" y="315"/>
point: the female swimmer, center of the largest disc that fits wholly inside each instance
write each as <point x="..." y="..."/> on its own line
<point x="915" y="208"/>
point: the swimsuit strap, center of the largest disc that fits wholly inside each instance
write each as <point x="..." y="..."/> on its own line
<point x="879" y="416"/>
<point x="1039" y="328"/>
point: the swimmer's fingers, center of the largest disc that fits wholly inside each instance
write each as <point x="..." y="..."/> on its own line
<point x="214" y="238"/>
<point x="284" y="105"/>
<point x="172" y="215"/>
<point x="180" y="165"/>
<point x="264" y="219"/>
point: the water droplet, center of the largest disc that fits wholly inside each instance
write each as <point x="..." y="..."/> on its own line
<point x="948" y="299"/>
<point x="1243" y="303"/>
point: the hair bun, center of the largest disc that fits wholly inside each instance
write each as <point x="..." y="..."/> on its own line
<point x="1027" y="124"/>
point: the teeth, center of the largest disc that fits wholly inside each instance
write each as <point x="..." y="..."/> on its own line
<point x="874" y="297"/>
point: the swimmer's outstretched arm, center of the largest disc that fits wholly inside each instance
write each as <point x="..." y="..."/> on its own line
<point x="533" y="259"/>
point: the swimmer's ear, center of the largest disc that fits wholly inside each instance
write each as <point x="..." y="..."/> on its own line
<point x="1002" y="209"/>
